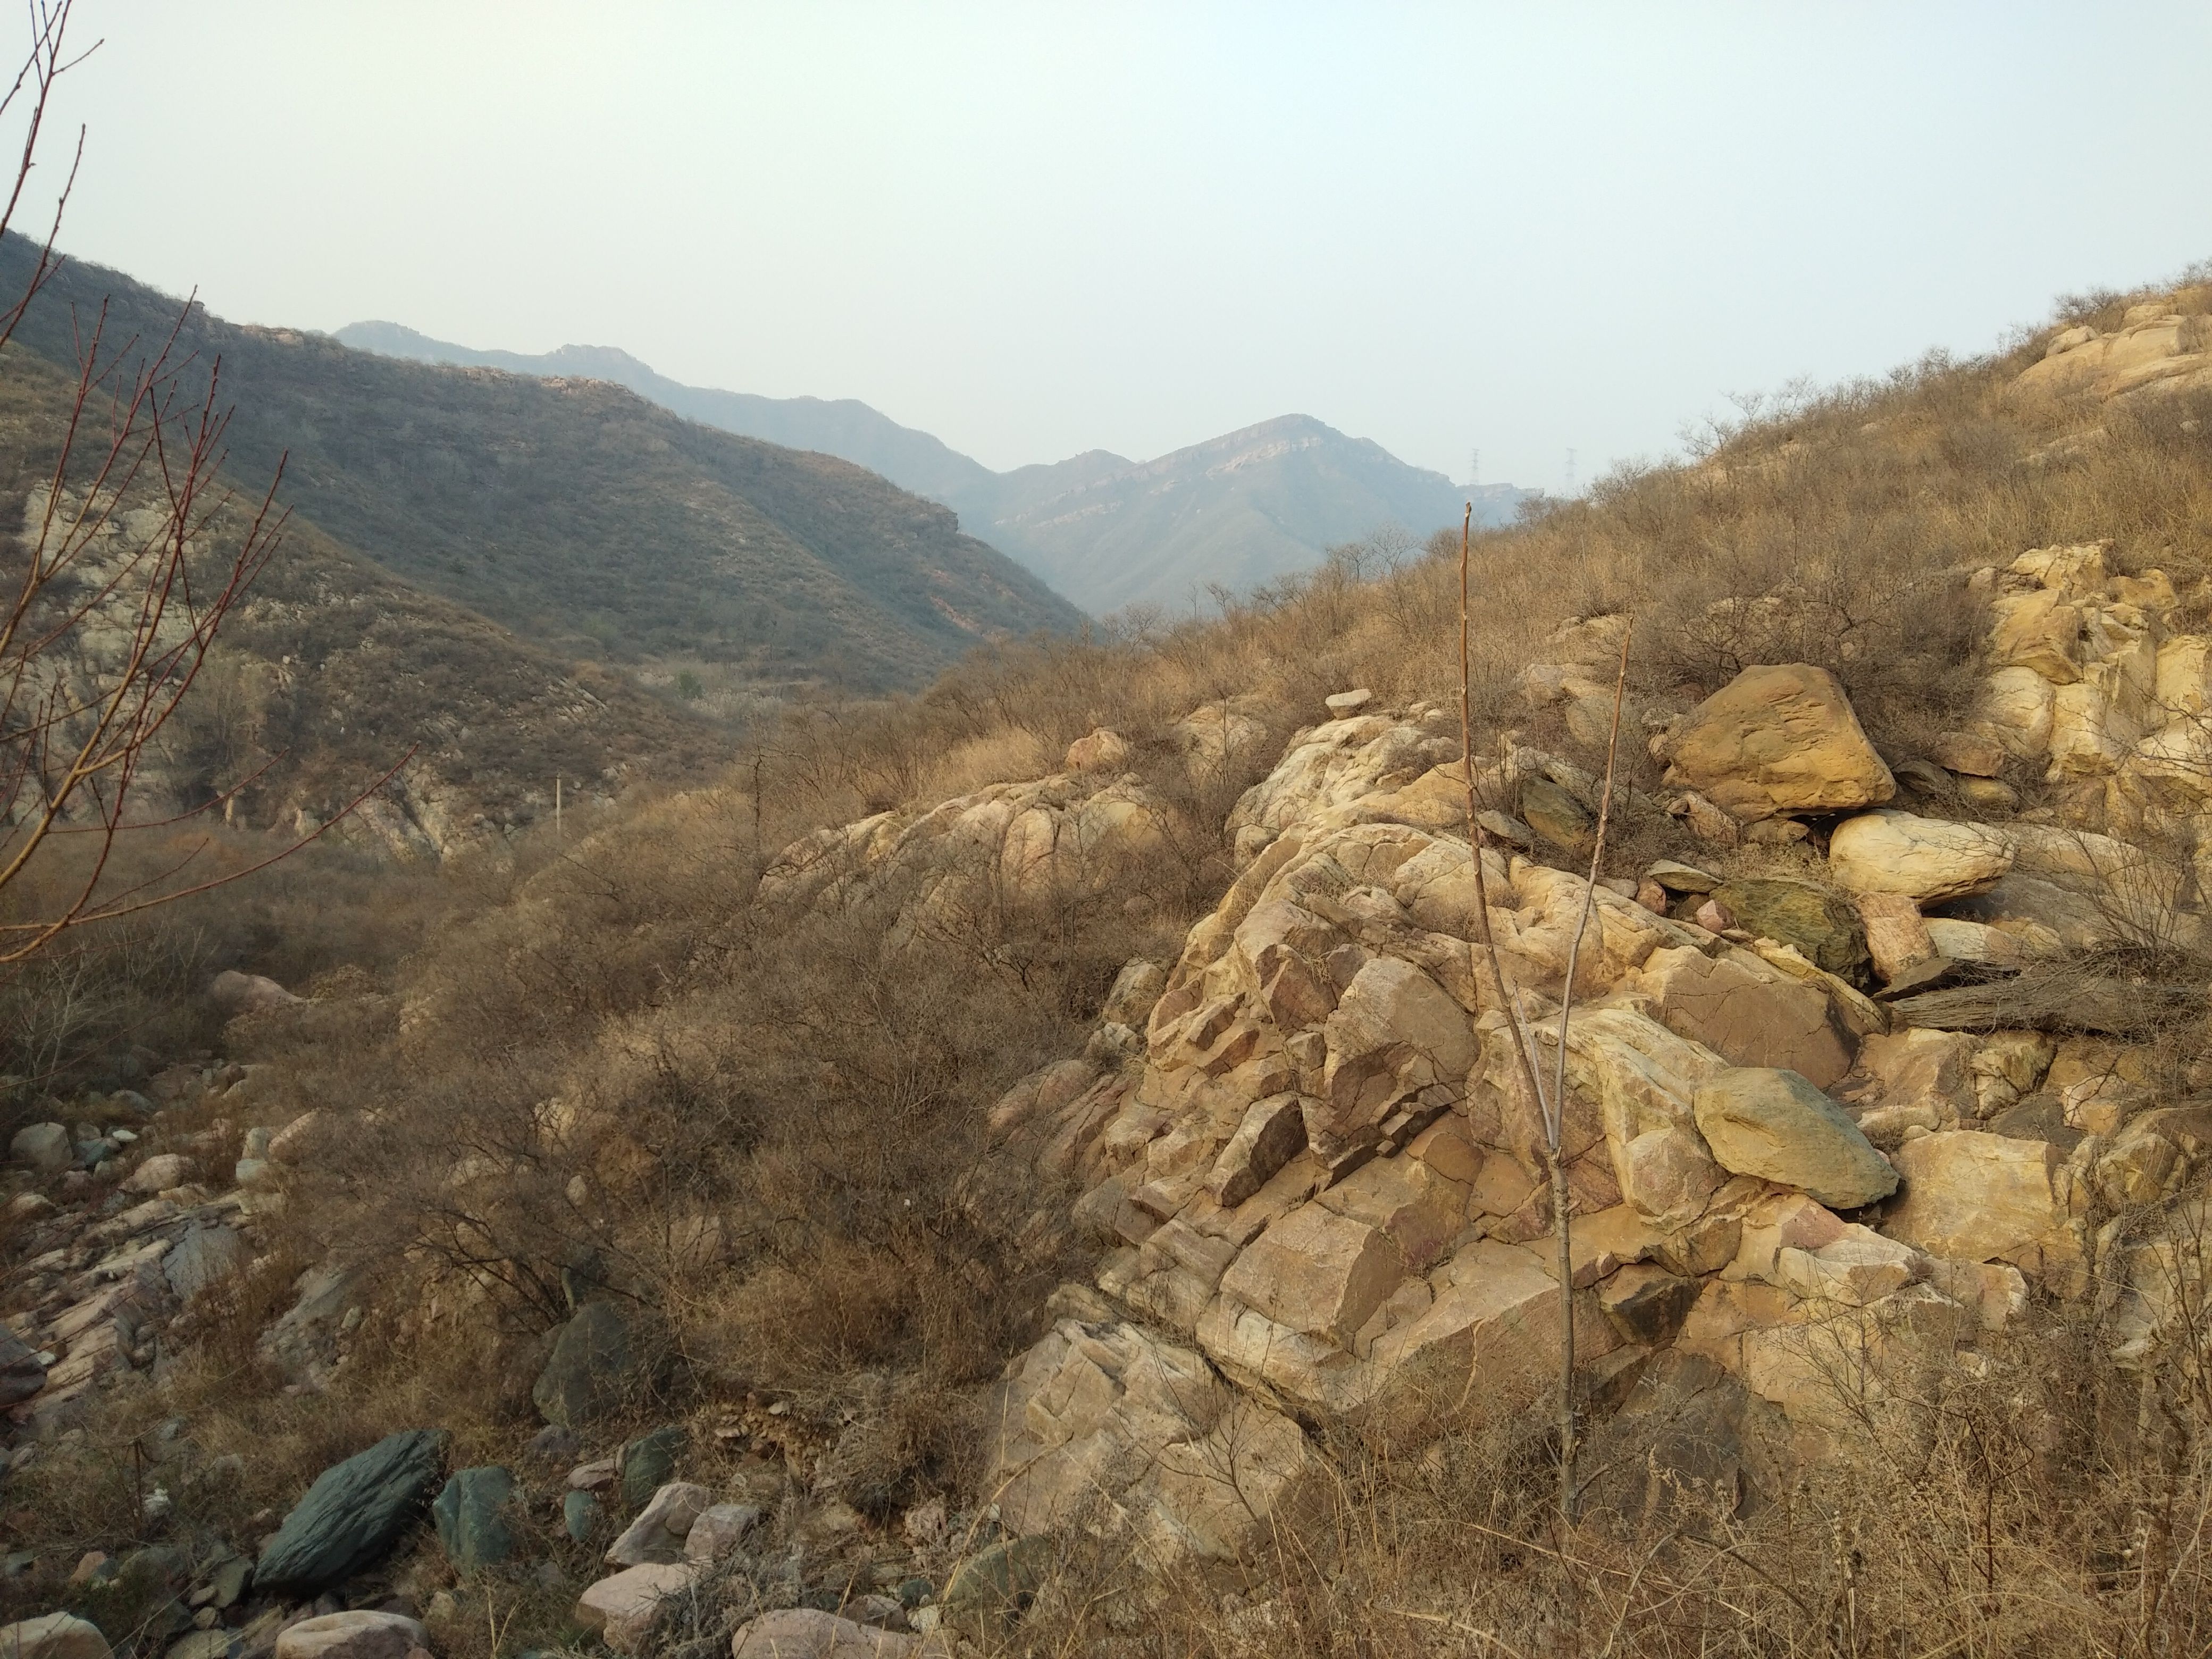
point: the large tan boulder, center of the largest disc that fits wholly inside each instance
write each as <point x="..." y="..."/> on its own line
<point x="1103" y="750"/>
<point x="1318" y="1272"/>
<point x="1978" y="1197"/>
<point x="1102" y="1423"/>
<point x="1478" y="1338"/>
<point x="1774" y="1125"/>
<point x="1776" y="741"/>
<point x="1746" y="1012"/>
<point x="1925" y="860"/>
<point x="1642" y="1077"/>
<point x="2038" y="630"/>
<point x="2016" y="710"/>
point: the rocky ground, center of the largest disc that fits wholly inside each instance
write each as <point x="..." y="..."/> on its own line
<point x="1878" y="1067"/>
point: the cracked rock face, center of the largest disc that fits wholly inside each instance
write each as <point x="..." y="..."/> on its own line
<point x="1325" y="1202"/>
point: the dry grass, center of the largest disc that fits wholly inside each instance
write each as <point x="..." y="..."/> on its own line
<point x="595" y="1065"/>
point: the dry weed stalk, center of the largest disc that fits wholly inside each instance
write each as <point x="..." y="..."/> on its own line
<point x="1550" y="1106"/>
<point x="77" y="717"/>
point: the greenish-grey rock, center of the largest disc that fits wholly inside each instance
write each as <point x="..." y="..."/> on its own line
<point x="353" y="1513"/>
<point x="136" y="1596"/>
<point x="580" y="1514"/>
<point x="992" y="1589"/>
<point x="228" y="1581"/>
<point x="649" y="1464"/>
<point x="595" y="1361"/>
<point x="1824" y="927"/>
<point x="1774" y="1125"/>
<point x="1554" y="814"/>
<point x="470" y="1514"/>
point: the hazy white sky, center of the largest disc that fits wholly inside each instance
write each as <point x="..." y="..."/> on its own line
<point x="1038" y="228"/>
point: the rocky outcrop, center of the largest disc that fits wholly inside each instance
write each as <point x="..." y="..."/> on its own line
<point x="1323" y="1199"/>
<point x="1106" y="1425"/>
<point x="2156" y="349"/>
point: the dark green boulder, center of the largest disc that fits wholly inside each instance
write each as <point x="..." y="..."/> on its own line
<point x="580" y="1514"/>
<point x="471" y="1514"/>
<point x="1825" y="928"/>
<point x="649" y="1463"/>
<point x="353" y="1514"/>
<point x="596" y="1361"/>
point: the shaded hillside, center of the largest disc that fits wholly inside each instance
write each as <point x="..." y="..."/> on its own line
<point x="332" y="670"/>
<point x="1233" y="512"/>
<point x="843" y="427"/>
<point x="586" y="518"/>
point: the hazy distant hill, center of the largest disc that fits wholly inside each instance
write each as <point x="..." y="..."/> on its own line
<point x="583" y="516"/>
<point x="1105" y="531"/>
<point x="1236" y="510"/>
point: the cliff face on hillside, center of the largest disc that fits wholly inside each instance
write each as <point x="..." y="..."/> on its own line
<point x="1307" y="1153"/>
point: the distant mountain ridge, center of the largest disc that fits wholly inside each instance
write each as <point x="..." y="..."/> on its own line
<point x="843" y="427"/>
<point x="1235" y="511"/>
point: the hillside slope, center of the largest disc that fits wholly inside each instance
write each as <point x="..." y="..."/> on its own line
<point x="584" y="517"/>
<point x="333" y="670"/>
<point x="1235" y="511"/>
<point x="843" y="427"/>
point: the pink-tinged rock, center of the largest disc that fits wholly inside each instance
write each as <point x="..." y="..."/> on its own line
<point x="359" y="1635"/>
<point x="805" y="1633"/>
<point x="622" y="1608"/>
<point x="56" y="1636"/>
<point x="249" y="994"/>
<point x="159" y="1173"/>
